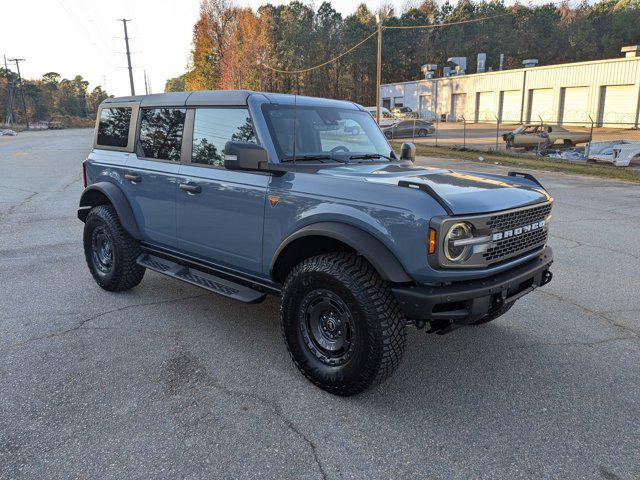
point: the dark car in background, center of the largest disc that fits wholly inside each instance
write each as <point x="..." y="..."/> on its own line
<point x="409" y="128"/>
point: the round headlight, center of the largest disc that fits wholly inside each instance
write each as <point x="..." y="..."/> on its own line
<point x="457" y="231"/>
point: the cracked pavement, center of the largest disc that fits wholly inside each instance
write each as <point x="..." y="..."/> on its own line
<point x="169" y="381"/>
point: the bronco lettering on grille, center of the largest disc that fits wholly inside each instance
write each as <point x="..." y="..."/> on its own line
<point x="518" y="231"/>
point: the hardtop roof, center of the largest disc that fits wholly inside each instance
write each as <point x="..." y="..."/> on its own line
<point x="220" y="98"/>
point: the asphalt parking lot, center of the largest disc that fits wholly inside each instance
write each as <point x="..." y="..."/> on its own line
<point x="169" y="381"/>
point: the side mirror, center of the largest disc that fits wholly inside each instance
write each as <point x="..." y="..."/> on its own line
<point x="408" y="151"/>
<point x="244" y="156"/>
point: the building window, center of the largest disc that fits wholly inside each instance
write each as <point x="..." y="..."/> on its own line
<point x="161" y="133"/>
<point x="113" y="129"/>
<point x="398" y="102"/>
<point x="213" y="128"/>
<point x="386" y="103"/>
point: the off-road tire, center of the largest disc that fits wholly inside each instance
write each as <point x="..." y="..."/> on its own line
<point x="124" y="273"/>
<point x="493" y="315"/>
<point x="378" y="324"/>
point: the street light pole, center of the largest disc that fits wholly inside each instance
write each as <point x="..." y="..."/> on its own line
<point x="378" y="67"/>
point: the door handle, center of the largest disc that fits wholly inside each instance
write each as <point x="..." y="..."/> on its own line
<point x="133" y="178"/>
<point x="190" y="189"/>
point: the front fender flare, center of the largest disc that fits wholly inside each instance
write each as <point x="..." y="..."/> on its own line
<point x="376" y="253"/>
<point x="94" y="195"/>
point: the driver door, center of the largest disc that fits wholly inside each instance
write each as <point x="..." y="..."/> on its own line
<point x="220" y="212"/>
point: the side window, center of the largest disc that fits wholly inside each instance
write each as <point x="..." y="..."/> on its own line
<point x="113" y="128"/>
<point x="161" y="133"/>
<point x="213" y="127"/>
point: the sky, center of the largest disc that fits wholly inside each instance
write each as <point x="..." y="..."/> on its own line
<point x="84" y="37"/>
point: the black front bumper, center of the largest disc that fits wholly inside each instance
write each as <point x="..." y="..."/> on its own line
<point x="468" y="301"/>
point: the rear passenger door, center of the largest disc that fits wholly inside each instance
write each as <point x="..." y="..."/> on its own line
<point x="220" y="212"/>
<point x="152" y="173"/>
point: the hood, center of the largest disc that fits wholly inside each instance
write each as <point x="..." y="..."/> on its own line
<point x="462" y="191"/>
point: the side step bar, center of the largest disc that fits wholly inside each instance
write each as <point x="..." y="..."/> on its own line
<point x="201" y="279"/>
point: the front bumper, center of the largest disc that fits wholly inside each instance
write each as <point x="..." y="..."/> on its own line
<point x="468" y="301"/>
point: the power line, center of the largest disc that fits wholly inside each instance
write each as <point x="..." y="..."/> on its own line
<point x="85" y="31"/>
<point x="324" y="63"/>
<point x="448" y="24"/>
<point x="379" y="31"/>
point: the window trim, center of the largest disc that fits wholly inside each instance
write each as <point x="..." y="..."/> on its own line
<point x="137" y="134"/>
<point x="131" y="139"/>
<point x="189" y="134"/>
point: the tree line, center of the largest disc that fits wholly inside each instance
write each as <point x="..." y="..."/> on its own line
<point x="233" y="46"/>
<point x="48" y="98"/>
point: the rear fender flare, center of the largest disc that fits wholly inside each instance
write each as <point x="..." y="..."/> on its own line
<point x="95" y="195"/>
<point x="376" y="253"/>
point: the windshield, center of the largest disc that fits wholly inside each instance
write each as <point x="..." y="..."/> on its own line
<point x="323" y="131"/>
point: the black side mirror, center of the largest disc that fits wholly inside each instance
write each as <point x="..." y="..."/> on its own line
<point x="408" y="151"/>
<point x="244" y="156"/>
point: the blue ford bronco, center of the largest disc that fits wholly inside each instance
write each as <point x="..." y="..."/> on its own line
<point x="247" y="194"/>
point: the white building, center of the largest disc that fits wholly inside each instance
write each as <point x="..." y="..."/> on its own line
<point x="607" y="91"/>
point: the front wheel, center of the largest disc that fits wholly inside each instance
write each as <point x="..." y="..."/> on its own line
<point x="422" y="132"/>
<point x="110" y="251"/>
<point x="341" y="323"/>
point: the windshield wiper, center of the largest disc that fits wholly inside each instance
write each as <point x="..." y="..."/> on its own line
<point x="366" y="156"/>
<point x="314" y="157"/>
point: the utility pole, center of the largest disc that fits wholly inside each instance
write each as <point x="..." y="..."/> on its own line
<point x="10" y="92"/>
<point x="378" y="67"/>
<point x="147" y="84"/>
<point x="126" y="42"/>
<point x="24" y="105"/>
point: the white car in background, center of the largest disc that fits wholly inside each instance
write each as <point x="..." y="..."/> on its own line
<point x="386" y="117"/>
<point x="7" y="132"/>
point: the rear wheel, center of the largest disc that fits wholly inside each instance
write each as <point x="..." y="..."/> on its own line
<point x="388" y="134"/>
<point x="341" y="323"/>
<point x="110" y="251"/>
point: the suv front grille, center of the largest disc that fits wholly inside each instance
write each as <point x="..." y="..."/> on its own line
<point x="518" y="218"/>
<point x="511" y="246"/>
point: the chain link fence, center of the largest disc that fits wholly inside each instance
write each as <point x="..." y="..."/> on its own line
<point x="579" y="138"/>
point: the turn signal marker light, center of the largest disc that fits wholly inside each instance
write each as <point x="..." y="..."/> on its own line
<point x="432" y="240"/>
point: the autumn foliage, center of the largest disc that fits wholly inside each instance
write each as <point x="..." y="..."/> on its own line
<point x="232" y="46"/>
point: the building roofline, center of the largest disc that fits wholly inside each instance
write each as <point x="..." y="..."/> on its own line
<point x="541" y="67"/>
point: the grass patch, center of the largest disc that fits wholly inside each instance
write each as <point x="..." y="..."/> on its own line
<point x="541" y="163"/>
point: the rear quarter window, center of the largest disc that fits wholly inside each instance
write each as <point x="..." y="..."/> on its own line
<point x="113" y="128"/>
<point x="161" y="133"/>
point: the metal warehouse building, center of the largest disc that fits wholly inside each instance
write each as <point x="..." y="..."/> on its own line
<point x="605" y="91"/>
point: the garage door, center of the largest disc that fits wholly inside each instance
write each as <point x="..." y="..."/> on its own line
<point x="616" y="105"/>
<point x="426" y="109"/>
<point x="484" y="107"/>
<point x="510" y="105"/>
<point x="458" y="106"/>
<point x="541" y="106"/>
<point x="574" y="107"/>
